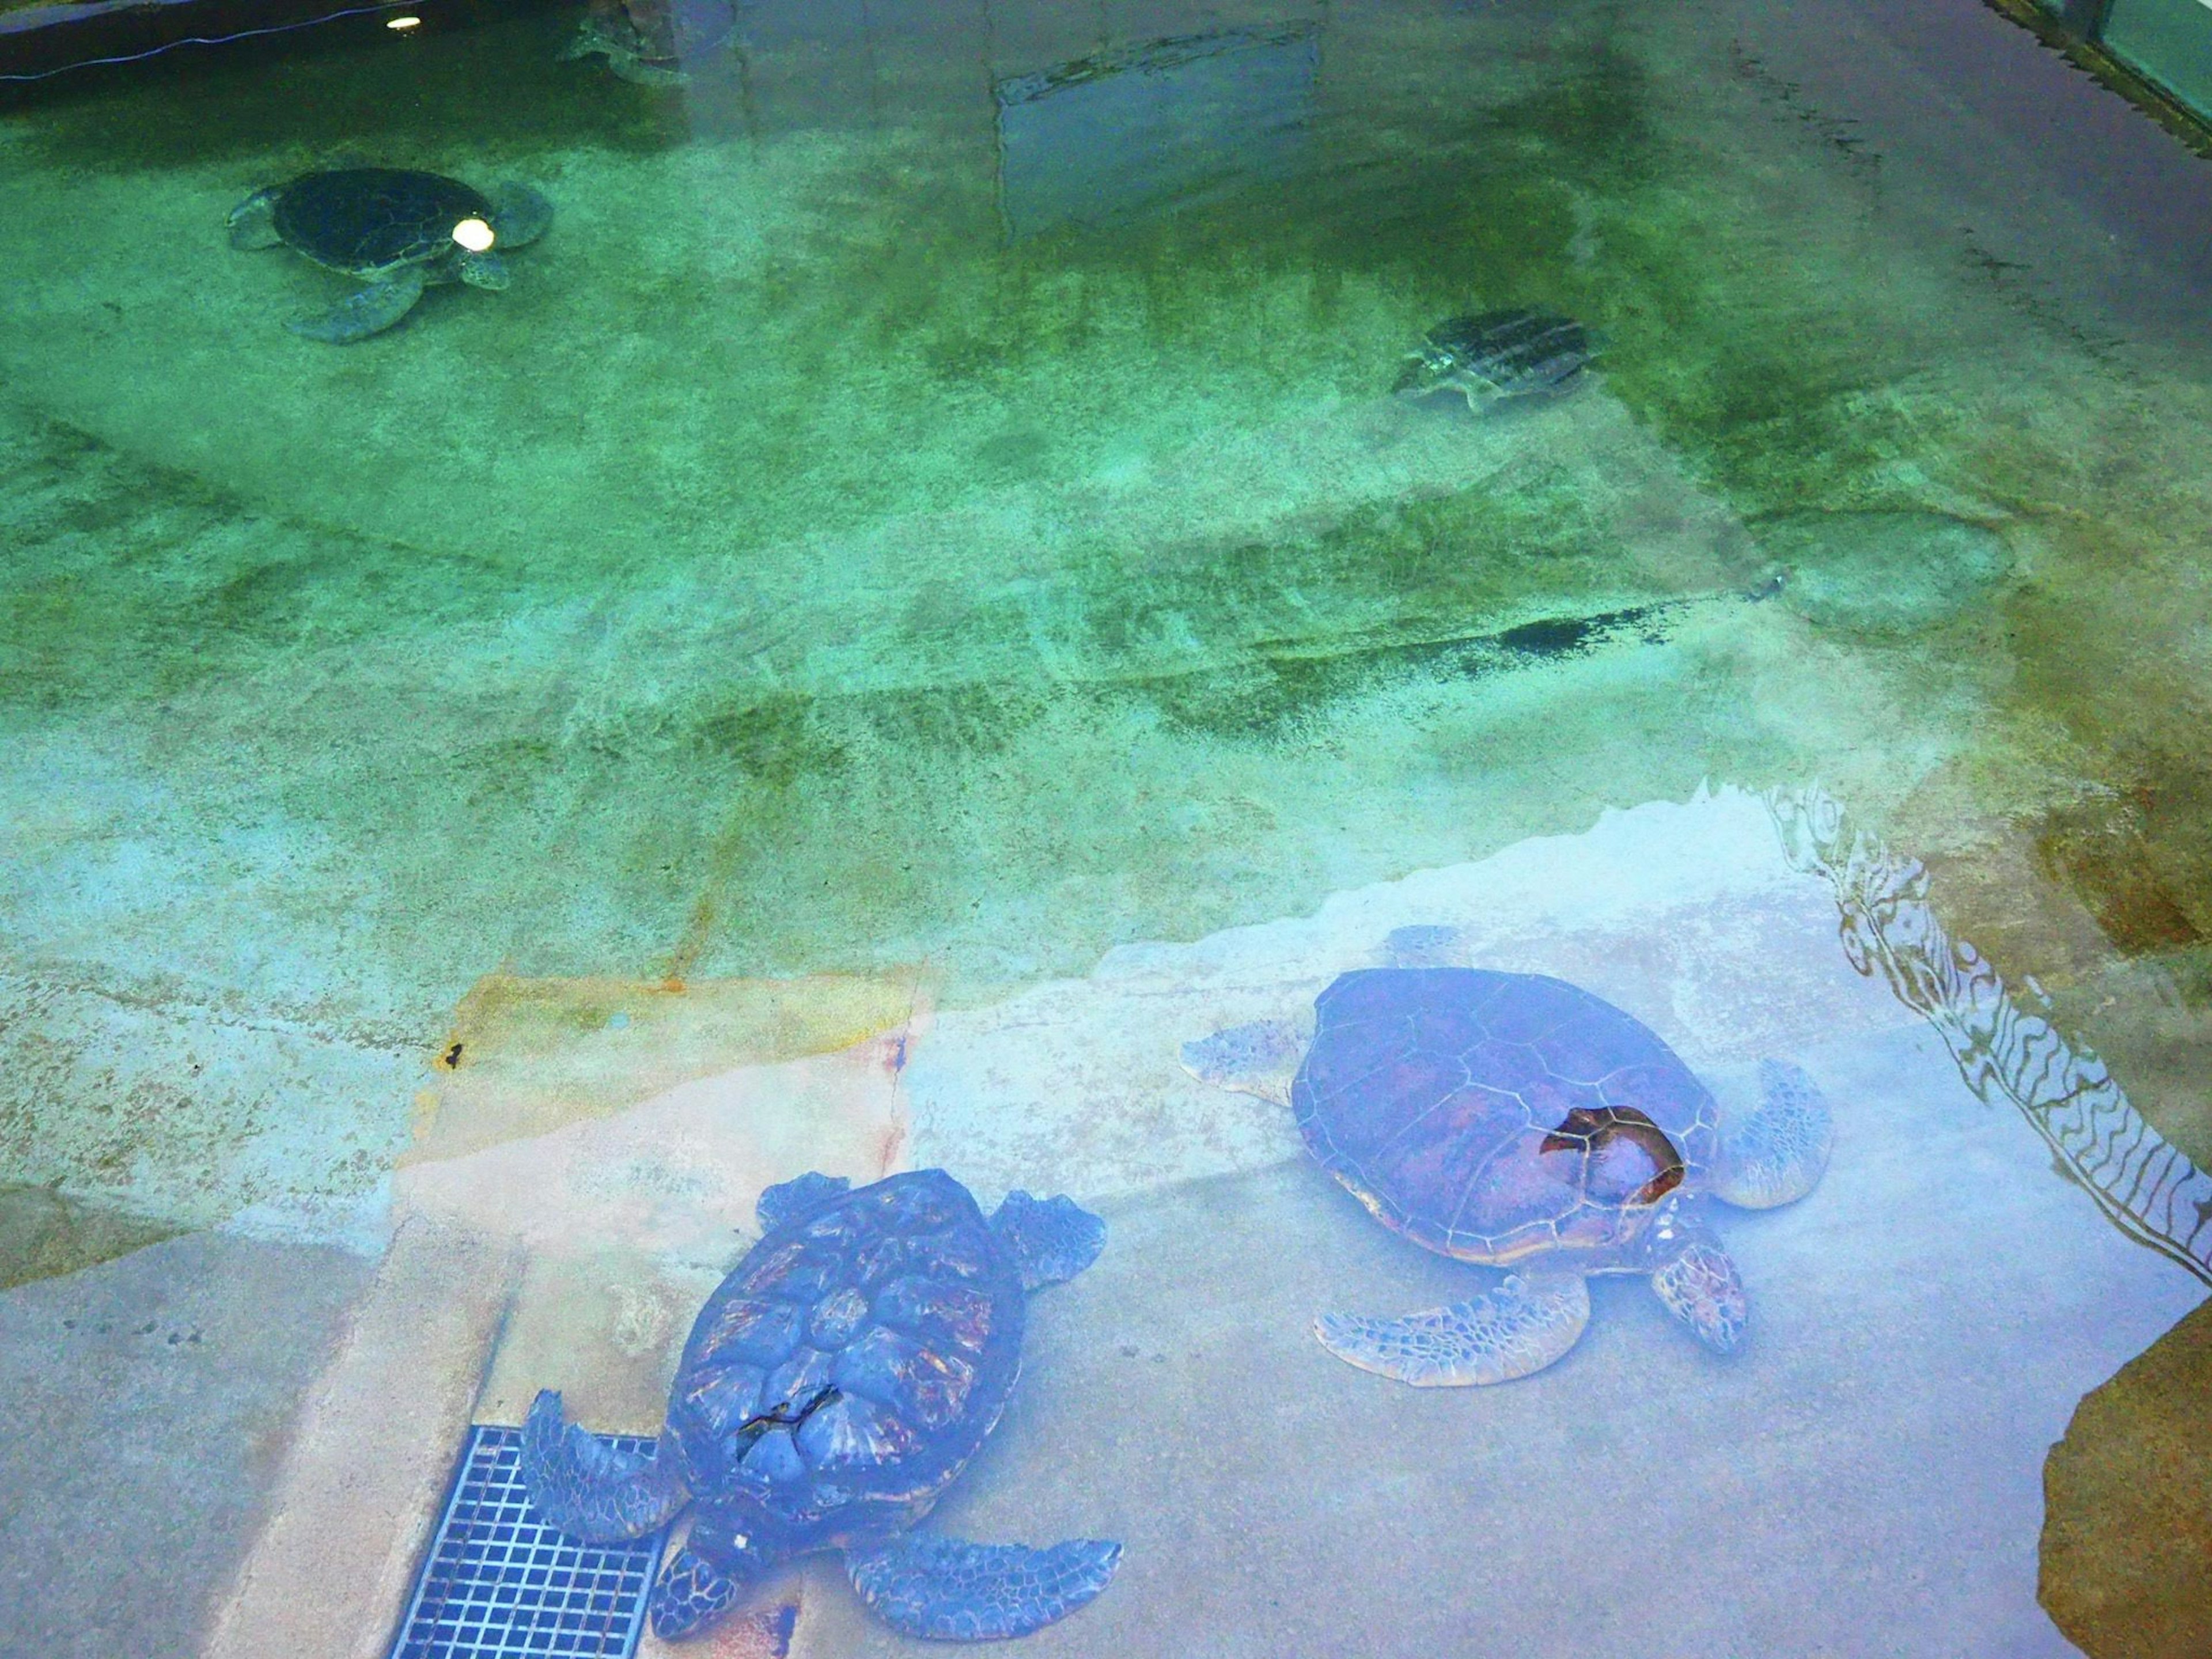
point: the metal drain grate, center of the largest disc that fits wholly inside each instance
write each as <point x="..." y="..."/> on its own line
<point x="500" y="1583"/>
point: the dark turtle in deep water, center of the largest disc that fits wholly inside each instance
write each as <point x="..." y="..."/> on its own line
<point x="400" y="230"/>
<point x="1498" y="354"/>
<point x="834" y="1385"/>
<point x="1514" y="1120"/>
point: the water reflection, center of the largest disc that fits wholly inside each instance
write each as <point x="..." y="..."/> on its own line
<point x="2004" y="1052"/>
<point x="1175" y="122"/>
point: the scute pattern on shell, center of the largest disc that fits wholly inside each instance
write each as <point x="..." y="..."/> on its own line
<point x="899" y="1296"/>
<point x="1431" y="1093"/>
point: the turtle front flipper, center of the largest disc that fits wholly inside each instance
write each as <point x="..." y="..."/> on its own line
<point x="1520" y="1327"/>
<point x="588" y="1490"/>
<point x="519" y="216"/>
<point x="1051" y="1240"/>
<point x="1775" y="1153"/>
<point x="947" y="1591"/>
<point x="253" y="222"/>
<point x="372" y="311"/>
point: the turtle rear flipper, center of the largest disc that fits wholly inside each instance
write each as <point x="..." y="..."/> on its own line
<point x="779" y="1203"/>
<point x="945" y="1590"/>
<point x="253" y="222"/>
<point x="588" y="1489"/>
<point x="1259" y="1058"/>
<point x="1778" y="1152"/>
<point x="1426" y="945"/>
<point x="1520" y="1327"/>
<point x="1051" y="1240"/>
<point x="372" y="311"/>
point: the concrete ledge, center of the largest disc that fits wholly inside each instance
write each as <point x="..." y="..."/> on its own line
<point x="373" y="1448"/>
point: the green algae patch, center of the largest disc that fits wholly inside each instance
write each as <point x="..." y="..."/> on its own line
<point x="1886" y="573"/>
<point x="788" y="573"/>
<point x="44" y="1233"/>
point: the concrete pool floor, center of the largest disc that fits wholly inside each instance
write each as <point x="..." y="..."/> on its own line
<point x="480" y="688"/>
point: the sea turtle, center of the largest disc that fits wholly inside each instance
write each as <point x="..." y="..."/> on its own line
<point x="833" y="1387"/>
<point x="653" y="43"/>
<point x="1498" y="354"/>
<point x="401" y="230"/>
<point x="1517" y="1122"/>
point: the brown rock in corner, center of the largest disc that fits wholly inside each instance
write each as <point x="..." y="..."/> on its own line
<point x="2127" y="1529"/>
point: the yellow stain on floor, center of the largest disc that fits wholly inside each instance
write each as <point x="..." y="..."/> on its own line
<point x="526" y="1056"/>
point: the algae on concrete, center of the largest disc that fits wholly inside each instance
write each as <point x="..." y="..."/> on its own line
<point x="788" y="575"/>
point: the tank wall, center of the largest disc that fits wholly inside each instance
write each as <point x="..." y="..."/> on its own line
<point x="2168" y="40"/>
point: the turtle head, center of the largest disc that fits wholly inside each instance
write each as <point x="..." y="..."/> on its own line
<point x="1259" y="1058"/>
<point x="718" y="1566"/>
<point x="483" y="269"/>
<point x="1693" y="1276"/>
<point x="1423" y="372"/>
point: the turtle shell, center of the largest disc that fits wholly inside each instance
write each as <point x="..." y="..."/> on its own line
<point x="364" y="220"/>
<point x="1509" y="352"/>
<point x="1496" y="1116"/>
<point x="899" y="1298"/>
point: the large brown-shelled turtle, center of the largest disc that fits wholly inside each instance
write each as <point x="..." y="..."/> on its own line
<point x="836" y="1382"/>
<point x="1517" y="1122"/>
<point x="401" y="230"/>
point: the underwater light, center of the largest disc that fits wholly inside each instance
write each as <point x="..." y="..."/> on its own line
<point x="473" y="234"/>
<point x="403" y="22"/>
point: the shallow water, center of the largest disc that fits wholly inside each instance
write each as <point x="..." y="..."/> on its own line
<point x="918" y="601"/>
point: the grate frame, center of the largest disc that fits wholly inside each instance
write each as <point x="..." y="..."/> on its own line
<point x="497" y="1583"/>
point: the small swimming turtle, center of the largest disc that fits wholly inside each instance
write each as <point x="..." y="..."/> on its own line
<point x="1514" y="1120"/>
<point x="402" y="230"/>
<point x="834" y="1385"/>
<point x="1498" y="354"/>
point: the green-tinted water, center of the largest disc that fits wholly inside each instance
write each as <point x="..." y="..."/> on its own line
<point x="932" y="512"/>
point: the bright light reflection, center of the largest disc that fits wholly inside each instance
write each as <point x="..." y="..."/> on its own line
<point x="473" y="234"/>
<point x="403" y="22"/>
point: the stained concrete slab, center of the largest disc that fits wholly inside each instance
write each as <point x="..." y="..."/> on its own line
<point x="675" y="1178"/>
<point x="523" y="1056"/>
<point x="150" y="1402"/>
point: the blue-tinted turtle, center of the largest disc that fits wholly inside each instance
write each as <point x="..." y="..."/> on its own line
<point x="1517" y="1122"/>
<point x="1496" y="355"/>
<point x="400" y="230"/>
<point x="834" y="1384"/>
